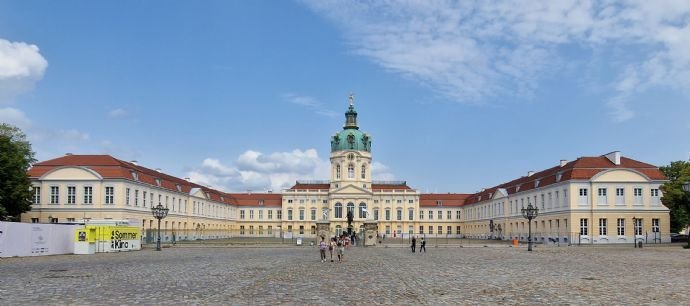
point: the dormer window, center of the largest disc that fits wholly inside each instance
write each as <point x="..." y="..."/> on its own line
<point x="517" y="188"/>
<point x="222" y="199"/>
<point x="179" y="188"/>
<point x="491" y="195"/>
<point x="158" y="182"/>
<point x="208" y="195"/>
<point x="559" y="175"/>
<point x="439" y="203"/>
<point x="479" y="198"/>
<point x="261" y="202"/>
<point x="135" y="176"/>
<point x="536" y="183"/>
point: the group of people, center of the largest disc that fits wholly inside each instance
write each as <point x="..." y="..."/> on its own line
<point x="336" y="244"/>
<point x="422" y="245"/>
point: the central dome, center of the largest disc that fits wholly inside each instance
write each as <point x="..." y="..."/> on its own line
<point x="351" y="138"/>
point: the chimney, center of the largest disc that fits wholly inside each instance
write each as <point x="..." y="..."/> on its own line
<point x="187" y="179"/>
<point x="134" y="162"/>
<point x="68" y="154"/>
<point x="159" y="170"/>
<point x="614" y="157"/>
<point x="270" y="191"/>
<point x="530" y="173"/>
<point x="563" y="162"/>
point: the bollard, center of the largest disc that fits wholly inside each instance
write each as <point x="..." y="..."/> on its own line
<point x="639" y="244"/>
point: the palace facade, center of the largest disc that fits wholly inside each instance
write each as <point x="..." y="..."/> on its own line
<point x="599" y="199"/>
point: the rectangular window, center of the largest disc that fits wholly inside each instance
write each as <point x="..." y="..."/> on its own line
<point x="71" y="195"/>
<point x="654" y="193"/>
<point x="110" y="195"/>
<point x="421" y="229"/>
<point x="583" y="199"/>
<point x="449" y="215"/>
<point x="136" y="197"/>
<point x="602" y="227"/>
<point x="261" y="214"/>
<point x="251" y="230"/>
<point x="289" y="214"/>
<point x="388" y="229"/>
<point x="251" y="214"/>
<point x="457" y="214"/>
<point x="637" y="196"/>
<point x="440" y="230"/>
<point x="638" y="227"/>
<point x="440" y="215"/>
<point x="449" y="229"/>
<point x="620" y="226"/>
<point x="388" y="214"/>
<point x="431" y="229"/>
<point x="70" y="220"/>
<point x="398" y="215"/>
<point x="301" y="229"/>
<point x="34" y="220"/>
<point x="261" y="230"/>
<point x="242" y="214"/>
<point x="301" y="213"/>
<point x="270" y="229"/>
<point x="421" y="215"/>
<point x="313" y="214"/>
<point x="620" y="196"/>
<point x="127" y="197"/>
<point x="37" y="195"/>
<point x="558" y="199"/>
<point x="376" y="213"/>
<point x="241" y="229"/>
<point x="431" y="215"/>
<point x="279" y="214"/>
<point x="602" y="196"/>
<point x="270" y="214"/>
<point x="655" y="225"/>
<point x="410" y="214"/>
<point x="54" y="194"/>
<point x="457" y="230"/>
<point x="583" y="227"/>
<point x="88" y="195"/>
<point x="410" y="201"/>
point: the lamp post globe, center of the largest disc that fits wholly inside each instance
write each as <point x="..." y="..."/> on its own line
<point x="530" y="213"/>
<point x="159" y="212"/>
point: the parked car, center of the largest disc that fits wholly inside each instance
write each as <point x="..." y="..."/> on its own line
<point x="675" y="237"/>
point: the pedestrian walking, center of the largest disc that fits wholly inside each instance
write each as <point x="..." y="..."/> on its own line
<point x="414" y="244"/>
<point x="322" y="249"/>
<point x="331" y="247"/>
<point x="423" y="246"/>
<point x="341" y="249"/>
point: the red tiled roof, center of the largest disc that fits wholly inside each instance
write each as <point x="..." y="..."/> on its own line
<point x="449" y="199"/>
<point x="310" y="186"/>
<point x="253" y="199"/>
<point x="110" y="167"/>
<point x="583" y="168"/>
<point x="390" y="187"/>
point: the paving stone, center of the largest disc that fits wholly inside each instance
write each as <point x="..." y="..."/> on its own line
<point x="296" y="276"/>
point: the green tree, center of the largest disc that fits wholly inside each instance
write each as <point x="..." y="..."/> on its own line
<point x="674" y="196"/>
<point x="15" y="159"/>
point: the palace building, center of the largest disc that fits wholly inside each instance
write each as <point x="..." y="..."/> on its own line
<point x="599" y="199"/>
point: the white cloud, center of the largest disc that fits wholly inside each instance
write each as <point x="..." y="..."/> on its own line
<point x="117" y="113"/>
<point x="472" y="52"/>
<point x="14" y="117"/>
<point x="257" y="171"/>
<point x="381" y="172"/>
<point x="310" y="103"/>
<point x="21" y="66"/>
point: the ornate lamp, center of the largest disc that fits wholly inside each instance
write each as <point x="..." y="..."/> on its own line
<point x="159" y="212"/>
<point x="530" y="213"/>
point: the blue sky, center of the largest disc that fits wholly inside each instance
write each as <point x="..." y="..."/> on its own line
<point x="243" y="95"/>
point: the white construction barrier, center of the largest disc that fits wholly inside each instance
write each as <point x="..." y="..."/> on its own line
<point x="33" y="239"/>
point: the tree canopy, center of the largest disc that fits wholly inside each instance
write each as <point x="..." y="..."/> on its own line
<point x="15" y="159"/>
<point x="675" y="198"/>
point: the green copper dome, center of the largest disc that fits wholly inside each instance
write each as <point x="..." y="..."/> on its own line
<point x="351" y="138"/>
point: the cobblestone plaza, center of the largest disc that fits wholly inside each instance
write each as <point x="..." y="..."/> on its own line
<point x="294" y="275"/>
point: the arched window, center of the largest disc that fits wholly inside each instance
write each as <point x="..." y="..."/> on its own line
<point x="338" y="230"/>
<point x="362" y="208"/>
<point x="351" y="171"/>
<point x="338" y="210"/>
<point x="364" y="171"/>
<point x="337" y="172"/>
<point x="351" y="208"/>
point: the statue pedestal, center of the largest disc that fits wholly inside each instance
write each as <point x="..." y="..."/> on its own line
<point x="323" y="229"/>
<point x="370" y="229"/>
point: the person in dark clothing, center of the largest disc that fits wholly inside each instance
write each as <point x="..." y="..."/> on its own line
<point x="423" y="246"/>
<point x="414" y="244"/>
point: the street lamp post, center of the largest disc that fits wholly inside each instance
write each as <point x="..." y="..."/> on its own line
<point x="633" y="231"/>
<point x="686" y="188"/>
<point x="530" y="213"/>
<point x="159" y="212"/>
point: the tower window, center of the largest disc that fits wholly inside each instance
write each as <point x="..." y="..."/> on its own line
<point x="364" y="171"/>
<point x="351" y="171"/>
<point x="337" y="172"/>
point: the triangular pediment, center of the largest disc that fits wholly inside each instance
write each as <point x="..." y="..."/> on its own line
<point x="500" y="193"/>
<point x="197" y="192"/>
<point x="351" y="189"/>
